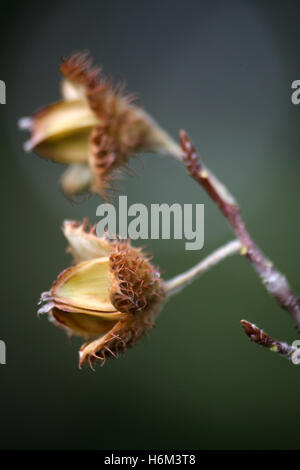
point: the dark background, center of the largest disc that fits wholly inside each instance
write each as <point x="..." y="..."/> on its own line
<point x="223" y="71"/>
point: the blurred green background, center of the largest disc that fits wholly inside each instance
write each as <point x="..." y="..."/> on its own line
<point x="222" y="71"/>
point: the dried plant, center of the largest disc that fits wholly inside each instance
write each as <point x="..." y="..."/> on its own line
<point x="94" y="129"/>
<point x="112" y="295"/>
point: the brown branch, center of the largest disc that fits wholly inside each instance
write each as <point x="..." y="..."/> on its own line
<point x="275" y="282"/>
<point x="260" y="337"/>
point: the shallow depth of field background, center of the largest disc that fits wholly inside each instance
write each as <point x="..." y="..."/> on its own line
<point x="223" y="71"/>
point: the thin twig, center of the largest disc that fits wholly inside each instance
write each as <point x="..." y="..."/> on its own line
<point x="275" y="282"/>
<point x="260" y="337"/>
<point x="173" y="286"/>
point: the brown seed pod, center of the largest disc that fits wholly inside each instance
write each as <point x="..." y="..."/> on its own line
<point x="94" y="129"/>
<point x="110" y="297"/>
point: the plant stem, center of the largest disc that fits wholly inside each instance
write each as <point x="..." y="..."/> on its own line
<point x="182" y="280"/>
<point x="275" y="282"/>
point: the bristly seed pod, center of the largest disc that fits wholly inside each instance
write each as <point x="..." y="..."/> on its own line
<point x="95" y="129"/>
<point x="110" y="297"/>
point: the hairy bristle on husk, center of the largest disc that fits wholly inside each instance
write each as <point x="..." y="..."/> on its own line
<point x="139" y="284"/>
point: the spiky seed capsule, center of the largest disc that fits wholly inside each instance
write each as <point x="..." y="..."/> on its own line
<point x="110" y="297"/>
<point x="95" y="129"/>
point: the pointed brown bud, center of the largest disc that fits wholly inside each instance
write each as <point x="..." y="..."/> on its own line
<point x="257" y="335"/>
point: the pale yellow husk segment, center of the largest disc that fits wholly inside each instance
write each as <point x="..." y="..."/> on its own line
<point x="85" y="286"/>
<point x="85" y="324"/>
<point x="83" y="245"/>
<point x="61" y="131"/>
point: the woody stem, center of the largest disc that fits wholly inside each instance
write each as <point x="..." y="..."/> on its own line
<point x="275" y="282"/>
<point x="182" y="280"/>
